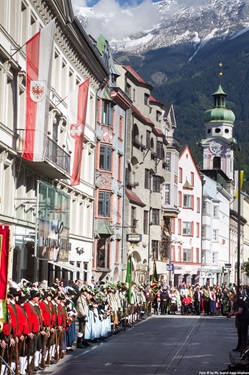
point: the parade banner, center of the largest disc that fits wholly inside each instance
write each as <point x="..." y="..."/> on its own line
<point x="53" y="220"/>
<point x="39" y="53"/>
<point x="77" y="106"/>
<point x="4" y="259"/>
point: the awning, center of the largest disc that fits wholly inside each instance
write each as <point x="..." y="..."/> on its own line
<point x="133" y="198"/>
<point x="103" y="227"/>
<point x="66" y="266"/>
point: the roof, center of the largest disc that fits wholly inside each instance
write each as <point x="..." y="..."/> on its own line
<point x="134" y="73"/>
<point x="137" y="77"/>
<point x="152" y="99"/>
<point x="133" y="198"/>
<point x="158" y="131"/>
<point x="141" y="116"/>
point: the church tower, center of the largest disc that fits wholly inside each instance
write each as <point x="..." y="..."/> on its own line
<point x="218" y="146"/>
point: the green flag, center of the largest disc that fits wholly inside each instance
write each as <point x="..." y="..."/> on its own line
<point x="155" y="275"/>
<point x="128" y="278"/>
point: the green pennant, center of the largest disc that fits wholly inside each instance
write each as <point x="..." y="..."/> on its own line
<point x="155" y="275"/>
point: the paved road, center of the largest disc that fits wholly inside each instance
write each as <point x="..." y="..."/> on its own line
<point x="160" y="345"/>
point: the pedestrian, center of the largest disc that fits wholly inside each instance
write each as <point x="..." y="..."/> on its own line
<point x="212" y="295"/>
<point x="197" y="300"/>
<point x="164" y="300"/>
<point x="241" y="313"/>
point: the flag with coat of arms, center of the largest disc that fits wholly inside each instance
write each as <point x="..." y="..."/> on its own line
<point x="39" y="53"/>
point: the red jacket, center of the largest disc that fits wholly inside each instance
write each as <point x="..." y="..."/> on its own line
<point x="33" y="317"/>
<point x="46" y="313"/>
<point x="23" y="327"/>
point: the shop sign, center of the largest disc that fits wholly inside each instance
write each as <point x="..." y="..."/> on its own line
<point x="134" y="237"/>
<point x="53" y="221"/>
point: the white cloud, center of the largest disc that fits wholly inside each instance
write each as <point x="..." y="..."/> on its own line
<point x="117" y="22"/>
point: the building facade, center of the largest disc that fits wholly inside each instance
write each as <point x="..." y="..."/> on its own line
<point x="186" y="231"/>
<point x="74" y="60"/>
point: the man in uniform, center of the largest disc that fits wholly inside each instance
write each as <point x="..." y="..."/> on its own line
<point x="82" y="309"/>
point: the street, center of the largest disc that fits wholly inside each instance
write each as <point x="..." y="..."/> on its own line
<point x="161" y="345"/>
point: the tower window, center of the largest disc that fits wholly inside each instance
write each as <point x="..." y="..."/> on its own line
<point x="217" y="130"/>
<point x="216" y="162"/>
<point x="226" y="130"/>
<point x="209" y="131"/>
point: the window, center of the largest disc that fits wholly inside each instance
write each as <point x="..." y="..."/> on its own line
<point x="205" y="232"/>
<point x="121" y="127"/>
<point x="216" y="235"/>
<point x="133" y="217"/>
<point x="103" y="249"/>
<point x="105" y="158"/>
<point x="120" y="167"/>
<point x="187" y="228"/>
<point x="187" y="201"/>
<point x="147" y="179"/>
<point x="159" y="150"/>
<point x="179" y="226"/>
<point x="146" y="98"/>
<point x="119" y="211"/>
<point x="155" y="217"/>
<point x="187" y="255"/>
<point x="146" y="222"/>
<point x="158" y="115"/>
<point x="155" y="248"/>
<point x="167" y="194"/>
<point x="156" y="184"/>
<point x="168" y="162"/>
<point x="198" y="203"/>
<point x="147" y="139"/>
<point x="214" y="257"/>
<point x="216" y="212"/>
<point x="192" y="179"/>
<point x="198" y="230"/>
<point x="179" y="198"/>
<point x="197" y="254"/>
<point x="106" y="112"/>
<point x="207" y="208"/>
<point x="104" y="204"/>
<point x="179" y="254"/>
<point x="128" y="90"/>
<point x="180" y="175"/>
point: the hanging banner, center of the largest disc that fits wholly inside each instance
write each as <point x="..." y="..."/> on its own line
<point x="39" y="55"/>
<point x="53" y="220"/>
<point x="4" y="260"/>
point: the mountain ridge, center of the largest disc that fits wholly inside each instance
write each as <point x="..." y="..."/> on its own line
<point x="185" y="72"/>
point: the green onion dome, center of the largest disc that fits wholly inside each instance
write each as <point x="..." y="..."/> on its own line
<point x="219" y="113"/>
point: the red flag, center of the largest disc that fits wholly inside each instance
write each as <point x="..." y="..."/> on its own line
<point x="4" y="260"/>
<point x="77" y="106"/>
<point x="39" y="55"/>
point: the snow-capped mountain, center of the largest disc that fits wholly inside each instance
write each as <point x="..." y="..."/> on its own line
<point x="193" y="22"/>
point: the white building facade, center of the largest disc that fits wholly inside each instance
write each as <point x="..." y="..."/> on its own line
<point x="74" y="60"/>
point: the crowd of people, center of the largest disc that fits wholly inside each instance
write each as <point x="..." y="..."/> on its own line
<point x="195" y="299"/>
<point x="41" y="325"/>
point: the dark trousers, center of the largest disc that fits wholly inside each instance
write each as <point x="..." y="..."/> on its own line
<point x="242" y="330"/>
<point x="197" y="306"/>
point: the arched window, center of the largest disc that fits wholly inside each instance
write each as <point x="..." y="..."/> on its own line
<point x="216" y="162"/>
